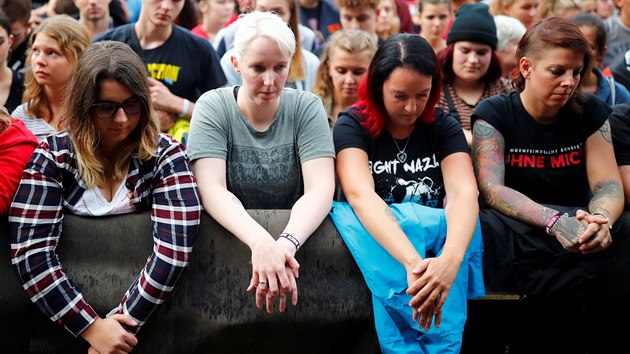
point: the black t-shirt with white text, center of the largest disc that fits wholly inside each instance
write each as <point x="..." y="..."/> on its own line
<point x="419" y="179"/>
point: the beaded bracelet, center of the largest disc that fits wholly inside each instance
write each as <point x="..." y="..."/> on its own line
<point x="291" y="238"/>
<point x="552" y="223"/>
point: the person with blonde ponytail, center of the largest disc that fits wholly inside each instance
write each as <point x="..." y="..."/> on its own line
<point x="108" y="159"/>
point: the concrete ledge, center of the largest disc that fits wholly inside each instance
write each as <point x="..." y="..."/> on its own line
<point x="209" y="310"/>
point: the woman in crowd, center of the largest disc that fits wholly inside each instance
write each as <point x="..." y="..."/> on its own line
<point x="509" y="33"/>
<point x="264" y="146"/>
<point x="434" y="17"/>
<point x="398" y="159"/>
<point x="526" y="11"/>
<point x="110" y="159"/>
<point x="560" y="8"/>
<point x="546" y="170"/>
<point x="304" y="64"/>
<point x="16" y="147"/>
<point x="594" y="81"/>
<point x="11" y="83"/>
<point x="471" y="71"/>
<point x="344" y="63"/>
<point x="387" y="20"/>
<point x="215" y="14"/>
<point x="54" y="50"/>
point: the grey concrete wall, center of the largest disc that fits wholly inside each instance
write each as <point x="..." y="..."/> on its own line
<point x="209" y="311"/>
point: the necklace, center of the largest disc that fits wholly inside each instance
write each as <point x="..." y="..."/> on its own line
<point x="401" y="155"/>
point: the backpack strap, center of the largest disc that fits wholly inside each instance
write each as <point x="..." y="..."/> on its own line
<point x="611" y="82"/>
<point x="449" y="100"/>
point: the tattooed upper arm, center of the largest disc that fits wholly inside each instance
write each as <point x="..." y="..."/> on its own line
<point x="487" y="154"/>
<point x="604" y="130"/>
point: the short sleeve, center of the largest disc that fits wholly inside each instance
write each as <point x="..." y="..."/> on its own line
<point x="349" y="132"/>
<point x="313" y="138"/>
<point x="208" y="135"/>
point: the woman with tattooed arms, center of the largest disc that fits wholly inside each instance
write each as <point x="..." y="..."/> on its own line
<point x="551" y="190"/>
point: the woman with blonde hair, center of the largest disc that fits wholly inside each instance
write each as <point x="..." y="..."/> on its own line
<point x="560" y="8"/>
<point x="304" y="64"/>
<point x="111" y="159"/>
<point x="387" y="20"/>
<point x="264" y="146"/>
<point x="54" y="50"/>
<point x="526" y="11"/>
<point x="344" y="63"/>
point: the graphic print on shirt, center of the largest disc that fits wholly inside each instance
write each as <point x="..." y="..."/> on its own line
<point x="167" y="73"/>
<point x="264" y="178"/>
<point x="408" y="182"/>
<point x="543" y="158"/>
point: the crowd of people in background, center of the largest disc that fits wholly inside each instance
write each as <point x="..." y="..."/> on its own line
<point x="392" y="116"/>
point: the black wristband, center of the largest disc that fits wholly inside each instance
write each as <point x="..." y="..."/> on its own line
<point x="291" y="238"/>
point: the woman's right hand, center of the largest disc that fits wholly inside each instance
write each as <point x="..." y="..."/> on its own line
<point x="108" y="336"/>
<point x="274" y="270"/>
<point x="568" y="231"/>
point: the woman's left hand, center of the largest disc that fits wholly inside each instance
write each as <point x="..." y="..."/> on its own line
<point x="597" y="235"/>
<point x="430" y="290"/>
<point x="274" y="272"/>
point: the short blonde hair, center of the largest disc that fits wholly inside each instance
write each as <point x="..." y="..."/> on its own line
<point x="263" y="24"/>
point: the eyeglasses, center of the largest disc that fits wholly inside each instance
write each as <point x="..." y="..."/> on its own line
<point x="131" y="107"/>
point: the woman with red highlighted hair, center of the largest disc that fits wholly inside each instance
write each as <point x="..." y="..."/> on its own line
<point x="398" y="158"/>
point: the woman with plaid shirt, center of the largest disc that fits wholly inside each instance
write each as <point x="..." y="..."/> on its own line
<point x="110" y="159"/>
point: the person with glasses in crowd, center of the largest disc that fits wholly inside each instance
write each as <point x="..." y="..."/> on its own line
<point x="109" y="159"/>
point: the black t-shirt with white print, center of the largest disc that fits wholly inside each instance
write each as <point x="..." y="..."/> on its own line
<point x="419" y="179"/>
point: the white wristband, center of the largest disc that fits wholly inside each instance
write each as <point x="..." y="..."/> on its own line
<point x="185" y="107"/>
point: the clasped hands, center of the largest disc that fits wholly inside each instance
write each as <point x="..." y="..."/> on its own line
<point x="429" y="282"/>
<point x="584" y="233"/>
<point x="274" y="273"/>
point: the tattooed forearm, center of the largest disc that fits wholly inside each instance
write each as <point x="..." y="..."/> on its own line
<point x="518" y="206"/>
<point x="604" y="130"/>
<point x="604" y="192"/>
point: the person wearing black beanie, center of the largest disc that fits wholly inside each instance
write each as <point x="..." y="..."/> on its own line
<point x="473" y="23"/>
<point x="471" y="71"/>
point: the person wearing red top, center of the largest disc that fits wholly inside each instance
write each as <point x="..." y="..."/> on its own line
<point x="17" y="144"/>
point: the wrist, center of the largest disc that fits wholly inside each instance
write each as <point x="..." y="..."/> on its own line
<point x="185" y="107"/>
<point x="610" y="226"/>
<point x="92" y="328"/>
<point x="287" y="236"/>
<point x="553" y="222"/>
<point x="286" y="245"/>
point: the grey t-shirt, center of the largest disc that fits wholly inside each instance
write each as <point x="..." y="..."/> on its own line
<point x="263" y="167"/>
